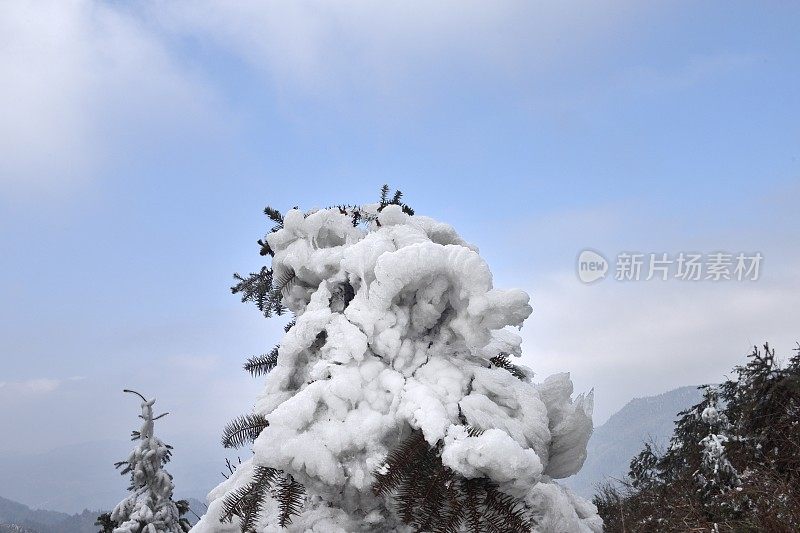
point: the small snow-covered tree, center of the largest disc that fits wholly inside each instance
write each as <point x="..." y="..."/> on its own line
<point x="149" y="507"/>
<point x="392" y="402"/>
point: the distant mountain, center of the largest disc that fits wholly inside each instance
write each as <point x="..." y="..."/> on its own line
<point x="18" y="518"/>
<point x="15" y="528"/>
<point x="615" y="443"/>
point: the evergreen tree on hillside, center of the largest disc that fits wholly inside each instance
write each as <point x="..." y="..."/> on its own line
<point x="732" y="463"/>
<point x="392" y="402"/>
<point x="105" y="523"/>
<point x="149" y="507"/>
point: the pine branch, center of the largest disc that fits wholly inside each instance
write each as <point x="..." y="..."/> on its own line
<point x="260" y="365"/>
<point x="284" y="282"/>
<point x="504" y="513"/>
<point x="502" y="361"/>
<point x="395" y="200"/>
<point x="422" y="494"/>
<point x="243" y="430"/>
<point x="431" y="497"/>
<point x="275" y="216"/>
<point x="407" y="496"/>
<point x="106" y="524"/>
<point x="247" y="502"/>
<point x="266" y="249"/>
<point x="257" y="287"/>
<point x="453" y="517"/>
<point x="290" y="325"/>
<point x="472" y="431"/>
<point x="471" y="489"/>
<point x="183" y="506"/>
<point x="234" y="502"/>
<point x="290" y="496"/>
<point x="393" y="472"/>
<point x="352" y="211"/>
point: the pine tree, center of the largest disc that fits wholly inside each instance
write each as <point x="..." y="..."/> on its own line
<point x="149" y="507"/>
<point x="732" y="463"/>
<point x="106" y="524"/>
<point x="392" y="402"/>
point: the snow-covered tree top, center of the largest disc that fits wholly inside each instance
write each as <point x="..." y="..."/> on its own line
<point x="399" y="329"/>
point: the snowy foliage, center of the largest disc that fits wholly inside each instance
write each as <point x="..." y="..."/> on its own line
<point x="732" y="464"/>
<point x="716" y="473"/>
<point x="399" y="335"/>
<point x="715" y="461"/>
<point x="149" y="507"/>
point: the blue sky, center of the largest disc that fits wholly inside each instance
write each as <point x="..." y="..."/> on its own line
<point x="140" y="142"/>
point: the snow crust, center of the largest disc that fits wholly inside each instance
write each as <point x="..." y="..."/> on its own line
<point x="710" y="415"/>
<point x="411" y="349"/>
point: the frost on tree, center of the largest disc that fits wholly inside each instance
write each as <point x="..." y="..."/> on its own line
<point x="716" y="473"/>
<point x="149" y="507"/>
<point x="391" y="403"/>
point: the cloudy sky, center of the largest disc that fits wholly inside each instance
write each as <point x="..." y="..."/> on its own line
<point x="139" y="142"/>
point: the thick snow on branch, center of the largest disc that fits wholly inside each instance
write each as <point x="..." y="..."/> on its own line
<point x="396" y="325"/>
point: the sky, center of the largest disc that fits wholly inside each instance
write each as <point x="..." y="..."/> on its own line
<point x="140" y="141"/>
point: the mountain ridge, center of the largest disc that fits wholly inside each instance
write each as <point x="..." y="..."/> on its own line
<point x="614" y="443"/>
<point x="16" y="517"/>
<point x="19" y="518"/>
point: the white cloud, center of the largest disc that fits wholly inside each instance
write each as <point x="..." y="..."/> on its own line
<point x="43" y="131"/>
<point x="633" y="339"/>
<point x="386" y="49"/>
<point x="32" y="387"/>
<point x="87" y="82"/>
<point x="80" y="76"/>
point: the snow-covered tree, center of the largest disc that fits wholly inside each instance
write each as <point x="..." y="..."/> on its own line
<point x="732" y="463"/>
<point x="149" y="507"/>
<point x="392" y="403"/>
